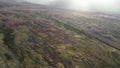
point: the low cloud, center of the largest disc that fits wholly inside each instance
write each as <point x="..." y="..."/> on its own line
<point x="12" y="0"/>
<point x="60" y="4"/>
<point x="88" y="5"/>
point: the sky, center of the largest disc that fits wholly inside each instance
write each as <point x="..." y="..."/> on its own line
<point x="84" y="5"/>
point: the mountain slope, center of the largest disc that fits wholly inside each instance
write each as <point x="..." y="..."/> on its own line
<point x="35" y="38"/>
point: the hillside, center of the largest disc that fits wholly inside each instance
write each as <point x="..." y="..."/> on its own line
<point x="36" y="36"/>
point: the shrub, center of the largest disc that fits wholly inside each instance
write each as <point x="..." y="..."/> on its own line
<point x="59" y="65"/>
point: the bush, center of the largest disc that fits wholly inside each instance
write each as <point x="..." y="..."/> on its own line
<point x="59" y="65"/>
<point x="7" y="56"/>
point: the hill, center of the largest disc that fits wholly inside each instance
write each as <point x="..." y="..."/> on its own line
<point x="36" y="36"/>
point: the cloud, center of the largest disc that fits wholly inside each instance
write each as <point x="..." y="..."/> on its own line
<point x="60" y="3"/>
<point x="12" y="0"/>
<point x="88" y="5"/>
<point x="45" y="2"/>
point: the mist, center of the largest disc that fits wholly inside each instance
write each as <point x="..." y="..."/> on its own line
<point x="81" y="5"/>
<point x="12" y="1"/>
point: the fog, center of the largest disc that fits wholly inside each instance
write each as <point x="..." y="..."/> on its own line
<point x="82" y="5"/>
<point x="13" y="0"/>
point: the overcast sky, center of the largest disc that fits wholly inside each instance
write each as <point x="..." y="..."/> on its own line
<point x="87" y="5"/>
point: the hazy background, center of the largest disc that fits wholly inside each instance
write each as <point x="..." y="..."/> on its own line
<point x="84" y="5"/>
